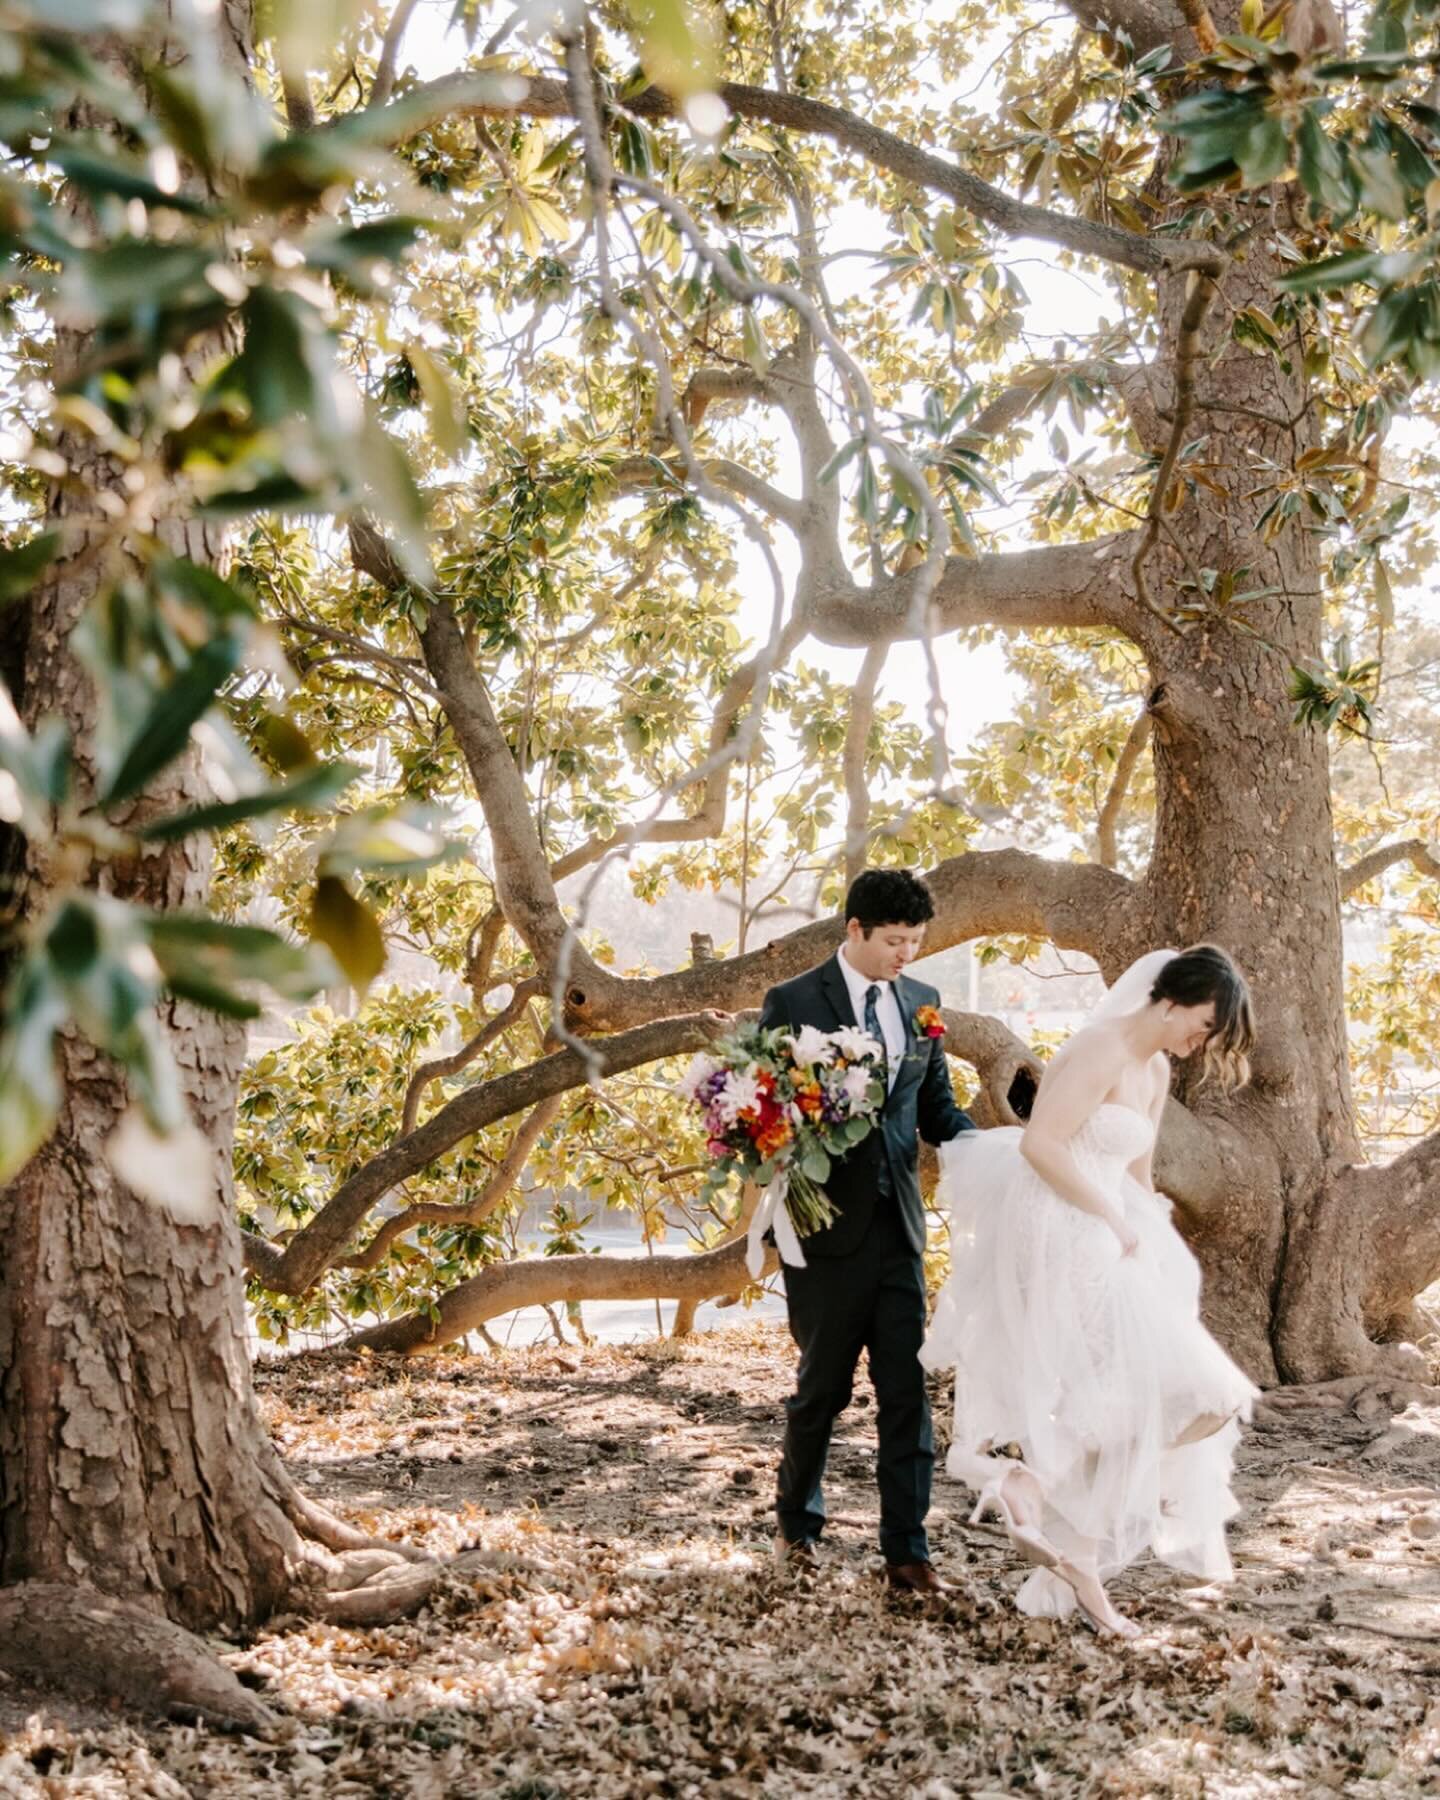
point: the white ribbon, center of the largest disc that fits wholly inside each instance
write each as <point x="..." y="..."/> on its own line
<point x="772" y="1214"/>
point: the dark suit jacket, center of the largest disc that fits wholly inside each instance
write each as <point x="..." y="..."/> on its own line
<point x="921" y="1104"/>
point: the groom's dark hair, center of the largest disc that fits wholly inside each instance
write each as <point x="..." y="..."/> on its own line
<point x="888" y="897"/>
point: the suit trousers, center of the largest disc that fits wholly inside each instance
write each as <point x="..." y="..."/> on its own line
<point x="872" y="1300"/>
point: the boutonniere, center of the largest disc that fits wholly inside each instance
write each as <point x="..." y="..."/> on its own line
<point x="929" y="1023"/>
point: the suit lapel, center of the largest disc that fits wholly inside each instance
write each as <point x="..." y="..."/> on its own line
<point x="832" y="983"/>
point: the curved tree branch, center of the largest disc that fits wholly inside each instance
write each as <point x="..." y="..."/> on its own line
<point x="545" y="1280"/>
<point x="490" y="1199"/>
<point x="1054" y="585"/>
<point x="1107" y="849"/>
<point x="1365" y="869"/>
<point x="390" y="53"/>
<point x="463" y="96"/>
<point x="646" y="472"/>
<point x="1400" y="1202"/>
<point x="442" y="1066"/>
<point x="316" y="1246"/>
<point x="980" y="894"/>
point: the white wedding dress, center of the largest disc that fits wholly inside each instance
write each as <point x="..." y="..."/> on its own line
<point x="1092" y="1362"/>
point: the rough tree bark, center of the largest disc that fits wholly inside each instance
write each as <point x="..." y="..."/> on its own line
<point x="136" y="1480"/>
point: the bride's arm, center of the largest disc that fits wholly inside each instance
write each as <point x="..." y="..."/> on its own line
<point x="1073" y="1088"/>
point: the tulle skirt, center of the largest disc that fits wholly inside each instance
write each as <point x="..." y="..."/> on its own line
<point x="1093" y="1363"/>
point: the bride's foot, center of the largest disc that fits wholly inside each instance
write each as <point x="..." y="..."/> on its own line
<point x="1095" y="1605"/>
<point x="1203" y="1426"/>
<point x="1015" y="1495"/>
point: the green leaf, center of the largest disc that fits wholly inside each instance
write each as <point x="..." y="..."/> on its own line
<point x="165" y="731"/>
<point x="443" y="406"/>
<point x="387" y="840"/>
<point x="88" y="15"/>
<point x="201" y="587"/>
<point x="1264" y="151"/>
<point x="209" y="961"/>
<point x="133" y="275"/>
<point x="360" y="253"/>
<point x="22" y="566"/>
<point x="306" y="32"/>
<point x="816" y="1165"/>
<point x="38" y="764"/>
<point x="275" y="370"/>
<point x="385" y="475"/>
<point x="99" y="172"/>
<point x="1322" y="169"/>
<point x="846" y="453"/>
<point x="677" y="45"/>
<point x="1331" y="273"/>
<point x="34" y="1010"/>
<point x="311" y="791"/>
<point x="348" y="929"/>
<point x="1384" y="598"/>
<point x="1380" y="185"/>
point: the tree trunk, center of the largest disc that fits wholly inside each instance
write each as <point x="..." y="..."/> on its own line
<point x="1244" y="858"/>
<point x="133" y="1463"/>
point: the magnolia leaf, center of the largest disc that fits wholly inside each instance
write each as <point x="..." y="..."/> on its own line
<point x="677" y="45"/>
<point x="165" y="731"/>
<point x="22" y="567"/>
<point x="34" y="1010"/>
<point x="312" y="790"/>
<point x="443" y="406"/>
<point x="348" y="930"/>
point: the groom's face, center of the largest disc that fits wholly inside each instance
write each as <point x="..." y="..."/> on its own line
<point x="884" y="954"/>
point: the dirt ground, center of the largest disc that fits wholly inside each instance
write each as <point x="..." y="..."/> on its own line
<point x="622" y="1632"/>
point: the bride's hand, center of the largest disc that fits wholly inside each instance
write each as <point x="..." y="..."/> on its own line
<point x="1129" y="1243"/>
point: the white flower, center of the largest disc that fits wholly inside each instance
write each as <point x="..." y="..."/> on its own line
<point x="740" y="1092"/>
<point x="855" y="1085"/>
<point x="854" y="1043"/>
<point x="701" y="1068"/>
<point x="811" y="1047"/>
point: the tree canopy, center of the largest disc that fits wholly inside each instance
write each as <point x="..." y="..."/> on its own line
<point x="585" y="427"/>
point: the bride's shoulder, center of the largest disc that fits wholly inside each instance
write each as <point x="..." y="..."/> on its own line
<point x="1101" y="1040"/>
<point x="1094" y="1056"/>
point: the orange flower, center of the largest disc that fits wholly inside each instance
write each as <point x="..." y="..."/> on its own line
<point x="928" y="1022"/>
<point x="774" y="1137"/>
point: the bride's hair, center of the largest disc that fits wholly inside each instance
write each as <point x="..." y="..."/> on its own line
<point x="1205" y="973"/>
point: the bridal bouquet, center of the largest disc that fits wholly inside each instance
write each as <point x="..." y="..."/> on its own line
<point x="778" y="1106"/>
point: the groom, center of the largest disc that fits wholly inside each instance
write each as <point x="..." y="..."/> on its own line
<point x="863" y="1286"/>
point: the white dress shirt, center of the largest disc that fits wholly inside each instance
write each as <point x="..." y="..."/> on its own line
<point x="887" y="1007"/>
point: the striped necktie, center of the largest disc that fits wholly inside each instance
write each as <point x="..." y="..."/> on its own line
<point x="872" y="1025"/>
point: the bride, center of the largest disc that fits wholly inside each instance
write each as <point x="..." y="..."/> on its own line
<point x="1072" y="1315"/>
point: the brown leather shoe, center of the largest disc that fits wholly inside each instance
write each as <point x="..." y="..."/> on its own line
<point x="799" y="1555"/>
<point x="915" y="1578"/>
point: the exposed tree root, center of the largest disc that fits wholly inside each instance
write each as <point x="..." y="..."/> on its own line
<point x="317" y="1522"/>
<point x="361" y="1593"/>
<point x="80" y="1639"/>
